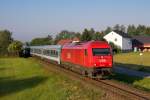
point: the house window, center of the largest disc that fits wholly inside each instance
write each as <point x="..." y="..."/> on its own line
<point x="115" y="39"/>
<point x="130" y="42"/>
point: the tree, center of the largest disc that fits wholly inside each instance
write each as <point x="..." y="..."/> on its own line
<point x="15" y="47"/>
<point x="116" y="49"/>
<point x="41" y="41"/>
<point x="78" y="35"/>
<point x="92" y="31"/>
<point x="64" y="34"/>
<point x="87" y="35"/>
<point x="122" y="28"/>
<point x="147" y="31"/>
<point x="50" y="37"/>
<point x="108" y="29"/>
<point x="131" y="30"/>
<point x="5" y="40"/>
<point x="98" y="36"/>
<point x="141" y="29"/>
<point x="27" y="43"/>
<point x="116" y="27"/>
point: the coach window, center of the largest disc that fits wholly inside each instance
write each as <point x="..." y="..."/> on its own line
<point x="31" y="50"/>
<point x="115" y="39"/>
<point x="52" y="52"/>
<point x="85" y="52"/>
<point x="56" y="54"/>
<point x="48" y="52"/>
<point x="35" y="50"/>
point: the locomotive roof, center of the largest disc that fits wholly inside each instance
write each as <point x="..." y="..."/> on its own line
<point x="85" y="44"/>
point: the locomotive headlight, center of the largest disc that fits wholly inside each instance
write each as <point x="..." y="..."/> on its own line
<point x="94" y="64"/>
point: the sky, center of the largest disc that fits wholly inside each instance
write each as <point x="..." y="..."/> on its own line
<point x="28" y="19"/>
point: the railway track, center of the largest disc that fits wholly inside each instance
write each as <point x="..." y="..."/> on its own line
<point x="113" y="90"/>
<point x="124" y="90"/>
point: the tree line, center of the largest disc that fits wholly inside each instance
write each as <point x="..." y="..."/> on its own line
<point x="130" y="29"/>
<point x="86" y="35"/>
<point x="91" y="34"/>
<point x="8" y="44"/>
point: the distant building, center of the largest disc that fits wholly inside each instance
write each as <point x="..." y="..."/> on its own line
<point x="141" y="42"/>
<point x="121" y="39"/>
<point x="75" y="39"/>
<point x="64" y="41"/>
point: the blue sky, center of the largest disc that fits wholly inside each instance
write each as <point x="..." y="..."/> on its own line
<point x="35" y="18"/>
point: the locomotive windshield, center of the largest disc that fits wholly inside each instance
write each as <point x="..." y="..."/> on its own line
<point x="100" y="51"/>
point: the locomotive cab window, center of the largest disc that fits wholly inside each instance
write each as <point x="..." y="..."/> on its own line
<point x="100" y="51"/>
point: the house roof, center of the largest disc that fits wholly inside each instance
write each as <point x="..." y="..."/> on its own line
<point x="76" y="39"/>
<point x="123" y="34"/>
<point x="143" y="39"/>
<point x="64" y="41"/>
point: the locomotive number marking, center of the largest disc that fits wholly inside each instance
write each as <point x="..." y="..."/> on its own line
<point x="68" y="55"/>
<point x="102" y="60"/>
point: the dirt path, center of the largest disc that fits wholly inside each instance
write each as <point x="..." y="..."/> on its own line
<point x="131" y="72"/>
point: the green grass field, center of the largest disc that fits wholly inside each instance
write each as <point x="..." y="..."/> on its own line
<point x="26" y="79"/>
<point x="136" y="62"/>
<point x="133" y="61"/>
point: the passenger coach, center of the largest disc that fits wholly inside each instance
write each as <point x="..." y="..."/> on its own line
<point x="51" y="52"/>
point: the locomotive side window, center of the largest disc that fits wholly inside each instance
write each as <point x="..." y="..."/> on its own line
<point x="100" y="51"/>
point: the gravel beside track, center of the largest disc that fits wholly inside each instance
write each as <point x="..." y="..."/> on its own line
<point x="113" y="90"/>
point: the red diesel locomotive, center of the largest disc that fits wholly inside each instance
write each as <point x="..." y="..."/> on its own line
<point x="93" y="58"/>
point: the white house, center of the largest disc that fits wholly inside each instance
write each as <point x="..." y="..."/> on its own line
<point x="121" y="39"/>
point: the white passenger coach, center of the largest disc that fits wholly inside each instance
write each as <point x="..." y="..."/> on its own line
<point x="51" y="52"/>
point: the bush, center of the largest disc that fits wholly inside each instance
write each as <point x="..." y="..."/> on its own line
<point x="116" y="49"/>
<point x="15" y="47"/>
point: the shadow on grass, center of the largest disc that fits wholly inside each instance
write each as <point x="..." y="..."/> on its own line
<point x="128" y="80"/>
<point x="4" y="78"/>
<point x="134" y="66"/>
<point x="9" y="85"/>
<point x="1" y="69"/>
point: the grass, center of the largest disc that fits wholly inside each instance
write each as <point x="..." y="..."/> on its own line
<point x="133" y="61"/>
<point x="26" y="79"/>
<point x="137" y="82"/>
